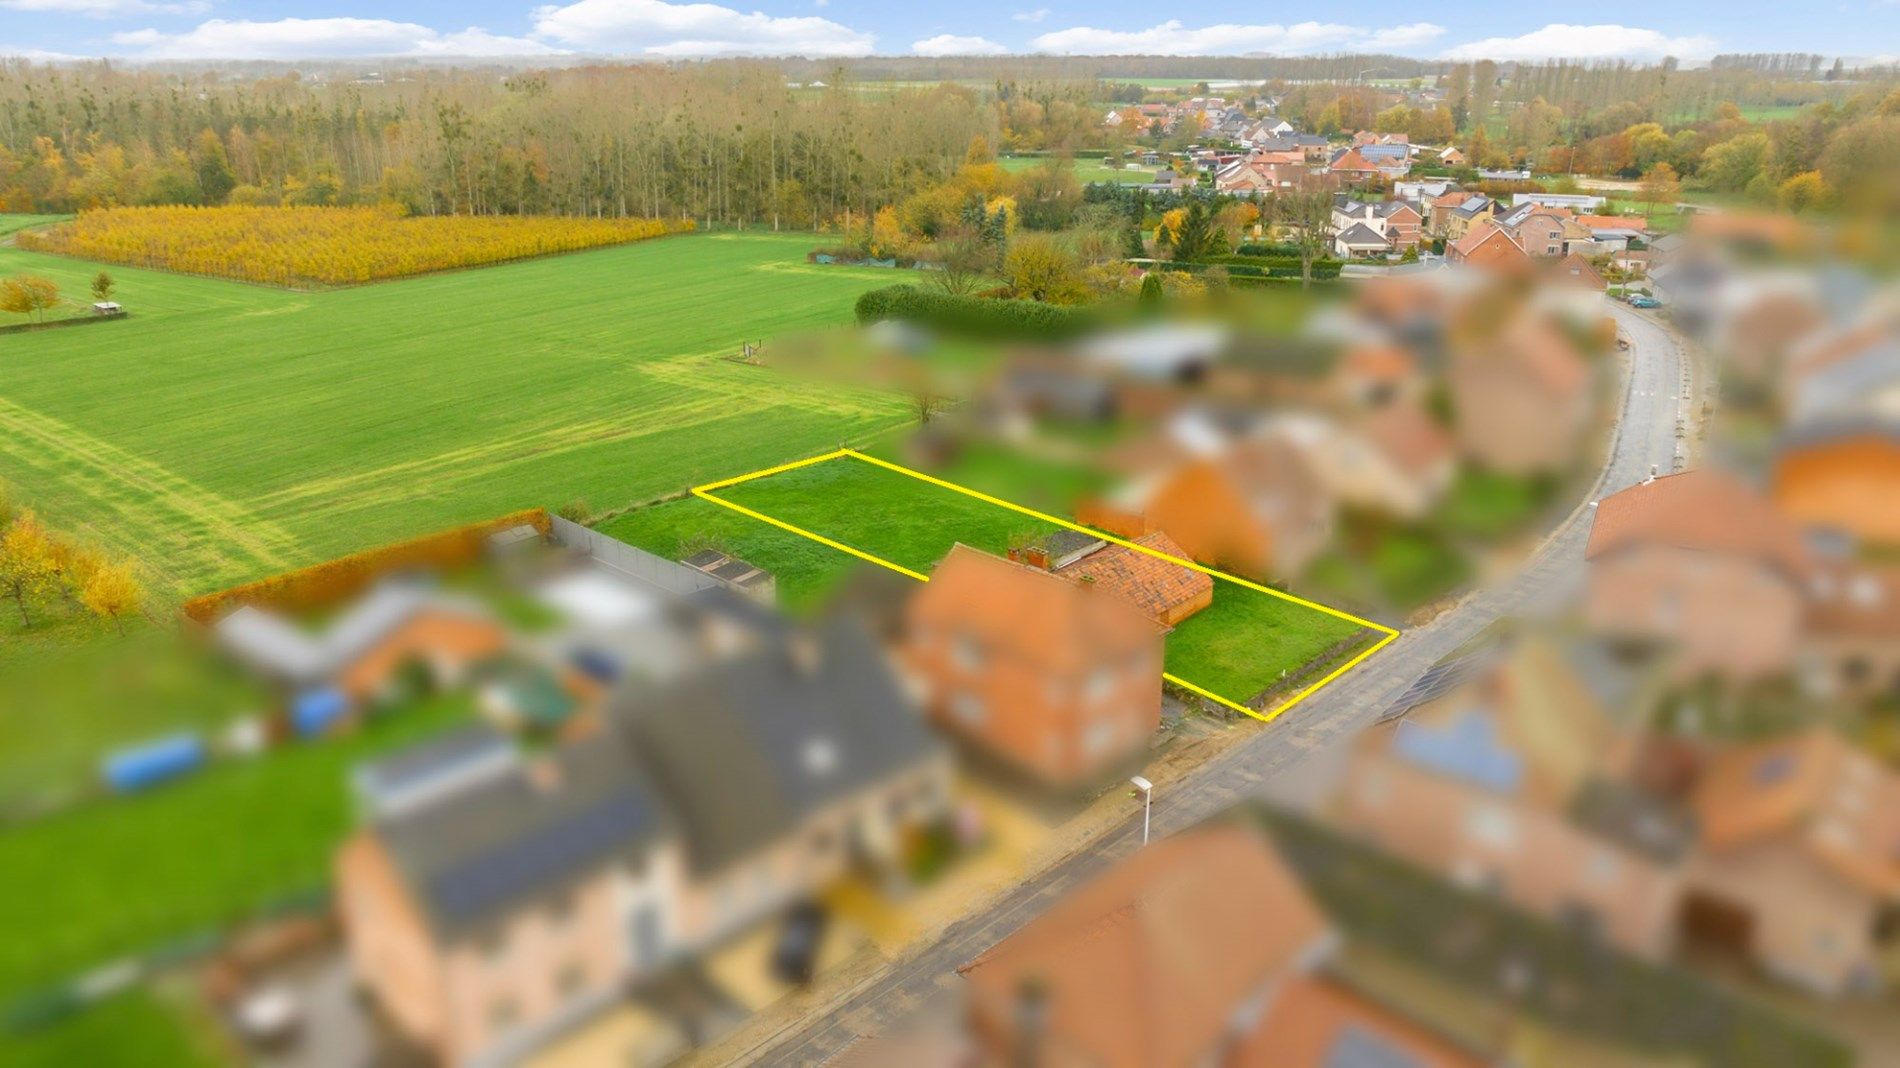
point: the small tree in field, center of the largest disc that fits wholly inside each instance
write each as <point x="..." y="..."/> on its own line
<point x="28" y="294"/>
<point x="27" y="567"/>
<point x="1660" y="186"/>
<point x="112" y="592"/>
<point x="102" y="286"/>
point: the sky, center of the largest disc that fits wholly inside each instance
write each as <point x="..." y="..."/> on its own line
<point x="1496" y="29"/>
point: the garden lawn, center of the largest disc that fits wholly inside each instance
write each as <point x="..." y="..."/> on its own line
<point x="1245" y="642"/>
<point x="140" y="1026"/>
<point x="225" y="431"/>
<point x="13" y="223"/>
<point x="1088" y="169"/>
<point x="124" y="875"/>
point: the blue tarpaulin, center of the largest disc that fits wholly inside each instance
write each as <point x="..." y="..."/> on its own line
<point x="148" y="765"/>
<point x="314" y="711"/>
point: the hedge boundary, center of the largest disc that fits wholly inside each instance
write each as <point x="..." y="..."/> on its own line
<point x="974" y="316"/>
<point x="332" y="580"/>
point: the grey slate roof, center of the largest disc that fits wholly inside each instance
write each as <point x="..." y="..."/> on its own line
<point x="748" y="748"/>
<point x="1359" y="235"/>
<point x="507" y="839"/>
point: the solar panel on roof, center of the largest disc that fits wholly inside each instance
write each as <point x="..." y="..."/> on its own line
<point x="566" y="847"/>
<point x="1357" y="1047"/>
<point x="1468" y="748"/>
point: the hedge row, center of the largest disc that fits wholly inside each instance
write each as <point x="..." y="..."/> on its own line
<point x="1267" y="248"/>
<point x="1274" y="266"/>
<point x="974" y="316"/>
<point x="333" y="580"/>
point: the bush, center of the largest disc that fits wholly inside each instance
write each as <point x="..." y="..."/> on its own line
<point x="973" y="316"/>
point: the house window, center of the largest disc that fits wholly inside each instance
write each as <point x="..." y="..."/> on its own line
<point x="1491" y="825"/>
<point x="969" y="710"/>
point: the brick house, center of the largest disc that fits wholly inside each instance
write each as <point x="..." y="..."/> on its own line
<point x="1053" y="677"/>
<point x="1488" y="246"/>
<point x="1503" y="783"/>
<point x="1201" y="949"/>
<point x="1798" y="862"/>
<point x="1702" y="562"/>
<point x="1521" y="399"/>
<point x="492" y="899"/>
<point x="1259" y="507"/>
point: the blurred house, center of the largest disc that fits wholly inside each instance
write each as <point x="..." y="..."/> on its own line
<point x="1372" y="375"/>
<point x="1052" y="677"/>
<point x="364" y="651"/>
<point x="1842" y="477"/>
<point x="1850" y="646"/>
<point x="1505" y="782"/>
<point x="1798" y="859"/>
<point x="1395" y="460"/>
<point x="1703" y="562"/>
<point x="492" y="899"/>
<point x="1258" y="507"/>
<point x="782" y="766"/>
<point x="1200" y="949"/>
<point x="487" y="902"/>
<point x="1521" y="399"/>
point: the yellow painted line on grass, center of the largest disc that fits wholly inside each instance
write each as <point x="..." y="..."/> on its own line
<point x="705" y="492"/>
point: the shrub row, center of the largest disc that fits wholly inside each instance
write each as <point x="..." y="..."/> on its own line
<point x="973" y="316"/>
<point x="333" y="580"/>
<point x="1267" y="248"/>
<point x="1274" y="266"/>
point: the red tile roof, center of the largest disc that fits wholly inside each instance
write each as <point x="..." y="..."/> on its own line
<point x="1153" y="585"/>
<point x="1702" y="509"/>
<point x="1147" y="964"/>
<point x="1031" y="613"/>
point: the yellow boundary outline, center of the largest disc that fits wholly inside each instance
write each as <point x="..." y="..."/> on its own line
<point x="705" y="492"/>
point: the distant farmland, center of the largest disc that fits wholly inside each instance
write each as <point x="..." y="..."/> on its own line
<point x="227" y="431"/>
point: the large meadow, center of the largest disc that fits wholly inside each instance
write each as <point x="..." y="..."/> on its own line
<point x="225" y="431"/>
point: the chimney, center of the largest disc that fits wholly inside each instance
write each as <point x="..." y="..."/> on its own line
<point x="1037" y="556"/>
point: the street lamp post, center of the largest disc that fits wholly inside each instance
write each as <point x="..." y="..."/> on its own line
<point x="1147" y="803"/>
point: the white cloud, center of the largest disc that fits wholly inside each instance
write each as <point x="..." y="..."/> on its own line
<point x="1404" y="38"/>
<point x="313" y="38"/>
<point x="100" y="9"/>
<point x="949" y="44"/>
<point x="1607" y="41"/>
<point x="1042" y="13"/>
<point x="36" y="55"/>
<point x="1171" y="38"/>
<point x="653" y="27"/>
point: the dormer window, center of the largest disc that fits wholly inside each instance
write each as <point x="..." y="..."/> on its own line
<point x="821" y="757"/>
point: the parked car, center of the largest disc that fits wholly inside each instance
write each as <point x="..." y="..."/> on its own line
<point x="795" y="957"/>
<point x="1640" y="300"/>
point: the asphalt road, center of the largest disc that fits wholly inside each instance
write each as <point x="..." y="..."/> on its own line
<point x="1645" y="435"/>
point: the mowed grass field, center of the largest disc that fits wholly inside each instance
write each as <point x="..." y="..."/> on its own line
<point x="1240" y="645"/>
<point x="227" y="431"/>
